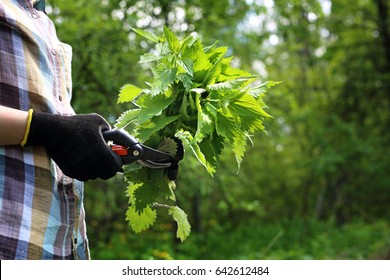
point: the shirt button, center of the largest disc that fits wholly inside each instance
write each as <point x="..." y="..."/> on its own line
<point x="60" y="98"/>
<point x="53" y="52"/>
<point x="34" y="15"/>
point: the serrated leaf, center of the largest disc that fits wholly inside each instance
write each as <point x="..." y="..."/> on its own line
<point x="259" y="90"/>
<point x="249" y="111"/>
<point x="217" y="144"/>
<point x="183" y="226"/>
<point x="271" y="83"/>
<point x="227" y="70"/>
<point x="146" y="34"/>
<point x="186" y="79"/>
<point x="153" y="125"/>
<point x="248" y="105"/>
<point x="173" y="41"/>
<point x="215" y="53"/>
<point x="188" y="42"/>
<point x="188" y="65"/>
<point x="213" y="72"/>
<point x="226" y="126"/>
<point x="140" y="220"/>
<point x="205" y="125"/>
<point x="230" y="85"/>
<point x="149" y="57"/>
<point x="152" y="105"/>
<point x="132" y="187"/>
<point x="201" y="61"/>
<point x="205" y="121"/>
<point x="144" y="195"/>
<point x="167" y="145"/>
<point x="127" y="117"/>
<point x="239" y="148"/>
<point x="210" y="152"/>
<point x="128" y="92"/>
<point x="188" y="138"/>
<point x="211" y="169"/>
<point x="162" y="79"/>
<point x="129" y="172"/>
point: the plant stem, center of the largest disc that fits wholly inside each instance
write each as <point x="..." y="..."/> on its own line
<point x="159" y="205"/>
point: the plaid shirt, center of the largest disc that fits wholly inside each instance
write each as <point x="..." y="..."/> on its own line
<point x="41" y="210"/>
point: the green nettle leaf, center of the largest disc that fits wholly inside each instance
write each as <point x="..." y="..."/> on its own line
<point x="226" y="126"/>
<point x="128" y="92"/>
<point x="146" y="34"/>
<point x="183" y="226"/>
<point x="167" y="145"/>
<point x="239" y="148"/>
<point x="187" y="65"/>
<point x="154" y="125"/>
<point x="186" y="137"/>
<point x="141" y="220"/>
<point x="205" y="125"/>
<point x="149" y="57"/>
<point x="230" y="84"/>
<point x="195" y="95"/>
<point x="144" y="195"/>
<point x="163" y="79"/>
<point x="127" y="118"/>
<point x="152" y="105"/>
<point x="141" y="216"/>
<point x="173" y="41"/>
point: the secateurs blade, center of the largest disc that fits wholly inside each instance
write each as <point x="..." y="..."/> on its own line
<point x="130" y="150"/>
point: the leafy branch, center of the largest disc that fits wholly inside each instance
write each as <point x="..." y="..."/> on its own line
<point x="197" y="96"/>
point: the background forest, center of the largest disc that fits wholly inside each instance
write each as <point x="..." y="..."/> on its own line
<point x="316" y="186"/>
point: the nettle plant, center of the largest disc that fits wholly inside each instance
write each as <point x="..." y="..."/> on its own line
<point x="196" y="96"/>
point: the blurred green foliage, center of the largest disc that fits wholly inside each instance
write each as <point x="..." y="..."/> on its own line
<point x="317" y="186"/>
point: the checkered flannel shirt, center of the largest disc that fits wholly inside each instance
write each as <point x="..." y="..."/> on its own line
<point x="41" y="210"/>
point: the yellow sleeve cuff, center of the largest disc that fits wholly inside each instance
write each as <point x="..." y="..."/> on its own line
<point x="28" y="125"/>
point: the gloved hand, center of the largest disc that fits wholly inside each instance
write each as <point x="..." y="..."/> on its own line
<point x="173" y="170"/>
<point x="76" y="144"/>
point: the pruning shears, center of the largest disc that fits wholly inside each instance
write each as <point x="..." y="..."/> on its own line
<point x="130" y="150"/>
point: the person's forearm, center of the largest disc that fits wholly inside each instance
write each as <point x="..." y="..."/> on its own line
<point x="12" y="125"/>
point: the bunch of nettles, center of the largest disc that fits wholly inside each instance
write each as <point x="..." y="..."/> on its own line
<point x="196" y="96"/>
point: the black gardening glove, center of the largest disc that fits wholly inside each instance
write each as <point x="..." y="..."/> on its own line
<point x="76" y="144"/>
<point x="173" y="170"/>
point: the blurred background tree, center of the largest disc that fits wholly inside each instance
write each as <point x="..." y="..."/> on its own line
<point x="317" y="186"/>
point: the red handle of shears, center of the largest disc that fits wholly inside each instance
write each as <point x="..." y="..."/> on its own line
<point x="120" y="150"/>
